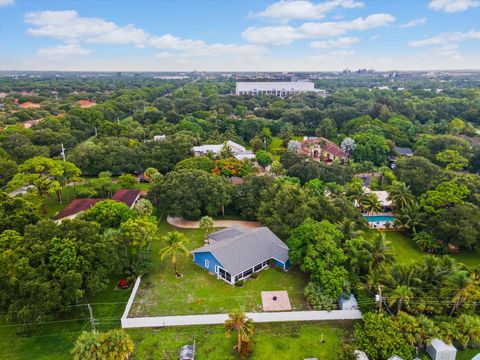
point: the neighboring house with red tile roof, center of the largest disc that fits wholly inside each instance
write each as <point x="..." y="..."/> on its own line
<point x="321" y="149"/>
<point x="86" y="103"/>
<point x="29" y="105"/>
<point x="72" y="210"/>
<point x="127" y="196"/>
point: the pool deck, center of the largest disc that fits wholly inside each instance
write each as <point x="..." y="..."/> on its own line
<point x="380" y="225"/>
<point x="379" y="214"/>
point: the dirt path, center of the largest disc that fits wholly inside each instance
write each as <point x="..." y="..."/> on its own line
<point x="187" y="224"/>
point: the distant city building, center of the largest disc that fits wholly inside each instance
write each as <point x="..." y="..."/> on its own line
<point x="281" y="89"/>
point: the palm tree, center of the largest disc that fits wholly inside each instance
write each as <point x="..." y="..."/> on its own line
<point x="383" y="171"/>
<point x="380" y="251"/>
<point x="401" y="294"/>
<point x="206" y="224"/>
<point x="354" y="192"/>
<point x="87" y="346"/>
<point x="349" y="229"/>
<point x="400" y="195"/>
<point x="462" y="289"/>
<point x="175" y="244"/>
<point x="116" y="345"/>
<point x="371" y="204"/>
<point x="409" y="217"/>
<point x="240" y="324"/>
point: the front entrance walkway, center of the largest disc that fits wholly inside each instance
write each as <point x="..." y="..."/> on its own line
<point x="187" y="224"/>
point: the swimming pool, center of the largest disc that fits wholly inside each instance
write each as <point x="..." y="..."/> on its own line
<point x="379" y="218"/>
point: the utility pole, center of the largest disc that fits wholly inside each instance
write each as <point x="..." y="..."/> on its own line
<point x="63" y="152"/>
<point x="92" y="320"/>
<point x="378" y="298"/>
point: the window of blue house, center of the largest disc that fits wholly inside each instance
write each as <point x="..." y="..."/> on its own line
<point x="207" y="264"/>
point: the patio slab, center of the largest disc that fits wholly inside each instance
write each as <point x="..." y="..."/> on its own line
<point x="276" y="301"/>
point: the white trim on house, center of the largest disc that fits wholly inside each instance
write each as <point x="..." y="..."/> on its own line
<point x="207" y="263"/>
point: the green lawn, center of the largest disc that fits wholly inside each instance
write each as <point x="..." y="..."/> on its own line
<point x="52" y="204"/>
<point x="199" y="292"/>
<point x="406" y="251"/>
<point x="272" y="341"/>
<point x="54" y="341"/>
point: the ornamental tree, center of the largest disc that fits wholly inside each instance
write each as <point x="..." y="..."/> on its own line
<point x="315" y="247"/>
<point x="109" y="214"/>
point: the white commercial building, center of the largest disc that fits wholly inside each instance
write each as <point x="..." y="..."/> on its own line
<point x="280" y="89"/>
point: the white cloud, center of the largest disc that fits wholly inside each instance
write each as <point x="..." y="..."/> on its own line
<point x="413" y="23"/>
<point x="68" y="26"/>
<point x="453" y="5"/>
<point x="335" y="43"/>
<point x="374" y="37"/>
<point x="172" y="42"/>
<point x="63" y="51"/>
<point x="303" y="9"/>
<point x="188" y="47"/>
<point x="164" y="55"/>
<point x="285" y="34"/>
<point x="73" y="29"/>
<point x="7" y="3"/>
<point x="446" y="39"/>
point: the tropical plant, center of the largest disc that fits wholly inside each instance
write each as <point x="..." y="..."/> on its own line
<point x="410" y="217"/>
<point x="116" y="345"/>
<point x="380" y="250"/>
<point x="425" y="241"/>
<point x="348" y="228"/>
<point x="87" y="346"/>
<point x="462" y="289"/>
<point x="111" y="345"/>
<point x="175" y="244"/>
<point x="400" y="195"/>
<point x="206" y="224"/>
<point x="241" y="325"/>
<point x="402" y="294"/>
<point x="370" y="203"/>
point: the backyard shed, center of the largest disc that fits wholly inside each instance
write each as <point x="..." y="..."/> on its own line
<point x="187" y="352"/>
<point x="347" y="302"/>
<point x="395" y="357"/>
<point x="438" y="350"/>
<point x="360" y="355"/>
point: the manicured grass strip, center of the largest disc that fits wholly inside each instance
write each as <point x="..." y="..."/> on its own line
<point x="271" y="341"/>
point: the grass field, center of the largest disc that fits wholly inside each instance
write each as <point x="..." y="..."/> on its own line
<point x="198" y="292"/>
<point x="293" y="341"/>
<point x="277" y="144"/>
<point x="53" y="341"/>
<point x="406" y="251"/>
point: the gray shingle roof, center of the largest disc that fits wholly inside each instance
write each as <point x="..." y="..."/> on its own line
<point x="244" y="251"/>
<point x="227" y="233"/>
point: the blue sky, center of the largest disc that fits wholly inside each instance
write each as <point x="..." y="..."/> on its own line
<point x="239" y="35"/>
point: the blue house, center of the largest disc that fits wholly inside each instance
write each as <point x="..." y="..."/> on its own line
<point x="236" y="253"/>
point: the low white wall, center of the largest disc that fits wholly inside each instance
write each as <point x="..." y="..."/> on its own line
<point x="213" y="319"/>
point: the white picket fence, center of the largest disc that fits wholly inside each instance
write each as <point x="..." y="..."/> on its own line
<point x="212" y="319"/>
